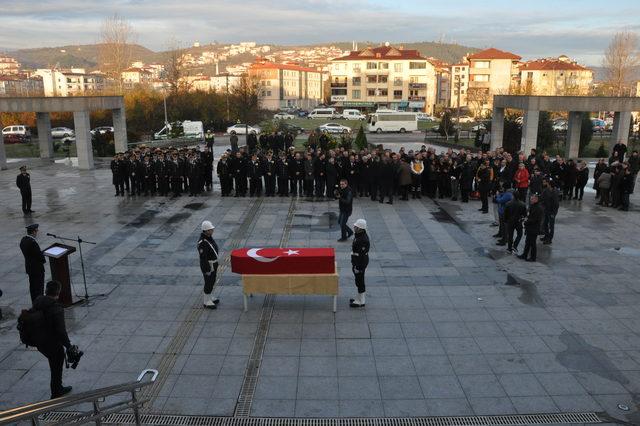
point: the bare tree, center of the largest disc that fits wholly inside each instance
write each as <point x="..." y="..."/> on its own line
<point x="621" y="59"/>
<point x="116" y="38"/>
<point x="246" y="98"/>
<point x="477" y="100"/>
<point x="176" y="68"/>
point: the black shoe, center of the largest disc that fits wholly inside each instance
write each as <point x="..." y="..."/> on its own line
<point x="65" y="390"/>
<point x="342" y="240"/>
<point x="389" y="202"/>
<point x="530" y="260"/>
<point x="546" y="242"/>
<point x="479" y="210"/>
<point x="496" y="235"/>
<point x="355" y="305"/>
<point x="501" y="243"/>
<point x="522" y="257"/>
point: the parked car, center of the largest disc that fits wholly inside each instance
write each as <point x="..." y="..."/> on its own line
<point x="283" y="116"/>
<point x="353" y="114"/>
<point x="334" y="128"/>
<point x="323" y="113"/>
<point x="242" y="129"/>
<point x="423" y="116"/>
<point x="466" y="119"/>
<point x="61" y="132"/>
<point x="598" y="125"/>
<point x="292" y="128"/>
<point x="478" y="127"/>
<point x="13" y="138"/>
<point x="102" y="130"/>
<point x="560" y="126"/>
<point x="302" y="113"/>
<point x="19" y="129"/>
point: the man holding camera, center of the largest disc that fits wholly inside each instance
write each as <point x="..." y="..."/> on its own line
<point x="55" y="340"/>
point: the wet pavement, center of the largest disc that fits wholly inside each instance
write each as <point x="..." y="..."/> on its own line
<point x="453" y="325"/>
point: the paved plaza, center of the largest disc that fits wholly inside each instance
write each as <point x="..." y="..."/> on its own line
<point x="452" y="325"/>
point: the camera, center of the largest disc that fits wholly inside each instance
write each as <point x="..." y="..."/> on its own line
<point x="73" y="356"/>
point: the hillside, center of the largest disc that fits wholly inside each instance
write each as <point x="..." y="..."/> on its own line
<point x="444" y="51"/>
<point x="78" y="56"/>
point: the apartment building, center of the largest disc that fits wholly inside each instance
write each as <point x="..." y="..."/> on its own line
<point x="555" y="77"/>
<point x="443" y="82"/>
<point x="134" y="76"/>
<point x="384" y="77"/>
<point x="9" y="66"/>
<point x="491" y="72"/>
<point x="459" y="85"/>
<point x="70" y="82"/>
<point x="21" y="85"/>
<point x="286" y="85"/>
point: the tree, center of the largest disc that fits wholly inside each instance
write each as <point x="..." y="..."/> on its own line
<point x="175" y="68"/>
<point x="446" y="126"/>
<point x="512" y="133"/>
<point x="361" y="139"/>
<point x="586" y="131"/>
<point x="245" y="101"/>
<point x="477" y="98"/>
<point x="546" y="136"/>
<point x="116" y="37"/>
<point x="621" y="59"/>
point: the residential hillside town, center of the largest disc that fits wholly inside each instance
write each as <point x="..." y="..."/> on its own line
<point x="384" y="76"/>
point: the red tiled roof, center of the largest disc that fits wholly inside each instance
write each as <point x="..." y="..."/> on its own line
<point x="493" y="53"/>
<point x="381" y="52"/>
<point x="551" y="65"/>
<point x="265" y="65"/>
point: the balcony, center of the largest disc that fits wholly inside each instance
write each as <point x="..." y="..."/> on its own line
<point x="417" y="98"/>
<point x="417" y="85"/>
<point x="338" y="84"/>
<point x="377" y="71"/>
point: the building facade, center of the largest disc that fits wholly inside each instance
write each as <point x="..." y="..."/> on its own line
<point x="21" y="86"/>
<point x="555" y="77"/>
<point x="134" y="76"/>
<point x="9" y="66"/>
<point x="491" y="72"/>
<point x="70" y="82"/>
<point x="286" y="85"/>
<point x="384" y="77"/>
<point x="459" y="85"/>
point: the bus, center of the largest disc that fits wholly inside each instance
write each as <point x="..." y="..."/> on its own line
<point x="392" y="121"/>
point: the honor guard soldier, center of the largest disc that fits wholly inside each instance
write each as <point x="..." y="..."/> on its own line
<point x="208" y="252"/>
<point x="359" y="260"/>
<point x="23" y="182"/>
<point x="33" y="261"/>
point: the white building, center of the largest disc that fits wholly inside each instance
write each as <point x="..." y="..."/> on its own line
<point x="70" y="82"/>
<point x="134" y="76"/>
<point x="9" y="66"/>
<point x="287" y="85"/>
<point x="555" y="77"/>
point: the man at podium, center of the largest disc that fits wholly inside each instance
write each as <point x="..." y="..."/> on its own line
<point x="33" y="261"/>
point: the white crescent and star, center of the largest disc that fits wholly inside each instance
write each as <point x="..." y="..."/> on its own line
<point x="253" y="253"/>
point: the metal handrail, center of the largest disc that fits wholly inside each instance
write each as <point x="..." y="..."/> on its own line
<point x="33" y="411"/>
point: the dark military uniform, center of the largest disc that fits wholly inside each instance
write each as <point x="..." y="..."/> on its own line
<point x="360" y="260"/>
<point x="208" y="251"/>
<point x="23" y="181"/>
<point x="34" y="265"/>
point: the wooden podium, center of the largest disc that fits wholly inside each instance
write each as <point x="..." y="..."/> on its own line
<point x="58" y="255"/>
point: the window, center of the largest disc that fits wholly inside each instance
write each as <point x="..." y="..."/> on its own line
<point x="383" y="79"/>
<point x="417" y="65"/>
<point x="371" y="92"/>
<point x="356" y="67"/>
<point x="481" y="77"/>
<point x="372" y="79"/>
<point x="384" y="65"/>
<point x="356" y="81"/>
<point x="397" y="67"/>
<point x="372" y="65"/>
<point x="355" y="94"/>
<point x="482" y="64"/>
<point x="382" y="92"/>
<point x="529" y="75"/>
<point x="397" y="81"/>
<point x="397" y="94"/>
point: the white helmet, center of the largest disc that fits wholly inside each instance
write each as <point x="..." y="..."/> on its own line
<point x="206" y="225"/>
<point x="361" y="223"/>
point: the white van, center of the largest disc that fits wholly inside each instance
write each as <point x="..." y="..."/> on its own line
<point x="353" y="114"/>
<point x="323" y="113"/>
<point x="395" y="121"/>
<point x="191" y="130"/>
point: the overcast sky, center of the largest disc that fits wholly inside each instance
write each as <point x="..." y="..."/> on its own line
<point x="539" y="28"/>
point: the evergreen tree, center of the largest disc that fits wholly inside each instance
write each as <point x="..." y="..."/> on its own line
<point x="361" y="139"/>
<point x="586" y="131"/>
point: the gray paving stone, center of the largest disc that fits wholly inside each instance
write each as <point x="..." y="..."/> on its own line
<point x="534" y="404"/>
<point x="273" y="407"/>
<point x="279" y="366"/>
<point x="357" y="388"/>
<point x="318" y="408"/>
<point x="276" y="388"/>
<point x="481" y="385"/>
<point x="441" y="387"/>
<point x="316" y="388"/>
<point x="491" y="405"/>
<point x="521" y="385"/>
<point x="449" y="407"/>
<point x="318" y="366"/>
<point x="405" y="408"/>
<point x="400" y="387"/>
<point x="361" y="408"/>
<point x="356" y="366"/>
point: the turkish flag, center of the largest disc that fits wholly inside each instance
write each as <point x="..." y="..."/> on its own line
<point x="270" y="260"/>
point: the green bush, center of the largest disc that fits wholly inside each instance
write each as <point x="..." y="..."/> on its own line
<point x="361" y="139"/>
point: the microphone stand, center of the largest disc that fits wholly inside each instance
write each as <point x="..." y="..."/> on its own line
<point x="84" y="276"/>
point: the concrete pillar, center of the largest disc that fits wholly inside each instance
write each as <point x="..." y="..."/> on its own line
<point x="572" y="147"/>
<point x="119" y="129"/>
<point x="529" y="131"/>
<point x="3" y="153"/>
<point x="43" y="121"/>
<point x="497" y="128"/>
<point x="620" y="132"/>
<point x="83" y="139"/>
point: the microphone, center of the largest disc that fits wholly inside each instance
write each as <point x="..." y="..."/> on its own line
<point x="51" y="235"/>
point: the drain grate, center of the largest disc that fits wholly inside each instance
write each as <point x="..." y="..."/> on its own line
<point x="179" y="341"/>
<point x="250" y="381"/>
<point x="506" y="420"/>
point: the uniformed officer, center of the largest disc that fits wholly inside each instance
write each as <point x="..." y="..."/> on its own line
<point x="208" y="251"/>
<point x="23" y="182"/>
<point x="359" y="261"/>
<point x="33" y="261"/>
